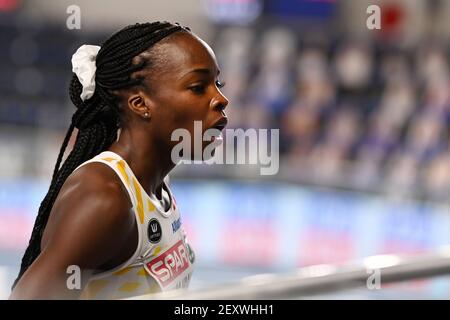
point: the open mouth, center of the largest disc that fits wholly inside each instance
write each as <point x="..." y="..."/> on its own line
<point x="219" y="125"/>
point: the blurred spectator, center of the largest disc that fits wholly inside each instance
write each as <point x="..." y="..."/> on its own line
<point x="273" y="83"/>
<point x="401" y="175"/>
<point x="437" y="177"/>
<point x="424" y="136"/>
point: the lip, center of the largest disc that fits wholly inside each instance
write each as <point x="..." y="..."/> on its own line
<point x="220" y="124"/>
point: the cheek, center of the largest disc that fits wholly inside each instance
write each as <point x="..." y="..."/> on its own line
<point x="186" y="112"/>
<point x="179" y="110"/>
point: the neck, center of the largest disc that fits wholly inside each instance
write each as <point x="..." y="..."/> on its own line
<point x="149" y="161"/>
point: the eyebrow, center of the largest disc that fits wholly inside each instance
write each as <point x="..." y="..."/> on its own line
<point x="200" y="70"/>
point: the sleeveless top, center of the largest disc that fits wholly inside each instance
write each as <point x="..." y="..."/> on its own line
<point x="163" y="259"/>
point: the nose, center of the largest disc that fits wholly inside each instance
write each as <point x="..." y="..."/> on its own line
<point x="219" y="102"/>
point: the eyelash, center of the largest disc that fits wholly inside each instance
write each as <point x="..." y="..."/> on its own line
<point x="220" y="84"/>
<point x="200" y="88"/>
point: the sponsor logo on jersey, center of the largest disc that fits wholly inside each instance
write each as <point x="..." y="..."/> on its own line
<point x="154" y="231"/>
<point x="170" y="264"/>
<point x="176" y="225"/>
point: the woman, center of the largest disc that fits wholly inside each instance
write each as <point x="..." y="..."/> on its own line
<point x="108" y="213"/>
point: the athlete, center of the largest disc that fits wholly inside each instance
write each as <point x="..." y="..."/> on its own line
<point x="109" y="226"/>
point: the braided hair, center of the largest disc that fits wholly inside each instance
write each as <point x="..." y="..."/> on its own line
<point x="98" y="118"/>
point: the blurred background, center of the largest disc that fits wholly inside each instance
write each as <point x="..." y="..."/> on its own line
<point x="363" y="116"/>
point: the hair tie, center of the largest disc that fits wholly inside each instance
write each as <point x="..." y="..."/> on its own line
<point x="83" y="65"/>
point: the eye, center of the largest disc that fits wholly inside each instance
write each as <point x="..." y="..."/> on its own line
<point x="220" y="84"/>
<point x="199" y="88"/>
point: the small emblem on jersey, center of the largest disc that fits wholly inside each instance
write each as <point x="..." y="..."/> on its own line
<point x="154" y="231"/>
<point x="176" y="225"/>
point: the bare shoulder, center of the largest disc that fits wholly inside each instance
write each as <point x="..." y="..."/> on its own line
<point x="92" y="198"/>
<point x="95" y="180"/>
<point x="94" y="177"/>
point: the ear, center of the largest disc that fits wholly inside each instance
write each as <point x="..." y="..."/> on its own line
<point x="139" y="104"/>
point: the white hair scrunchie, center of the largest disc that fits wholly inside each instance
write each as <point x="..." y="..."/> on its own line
<point x="83" y="65"/>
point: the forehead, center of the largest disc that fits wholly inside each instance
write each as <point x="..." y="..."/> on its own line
<point x="182" y="52"/>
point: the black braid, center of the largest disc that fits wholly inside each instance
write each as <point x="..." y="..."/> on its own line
<point x="98" y="118"/>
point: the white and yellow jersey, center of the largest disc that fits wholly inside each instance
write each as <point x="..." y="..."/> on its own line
<point x="163" y="260"/>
